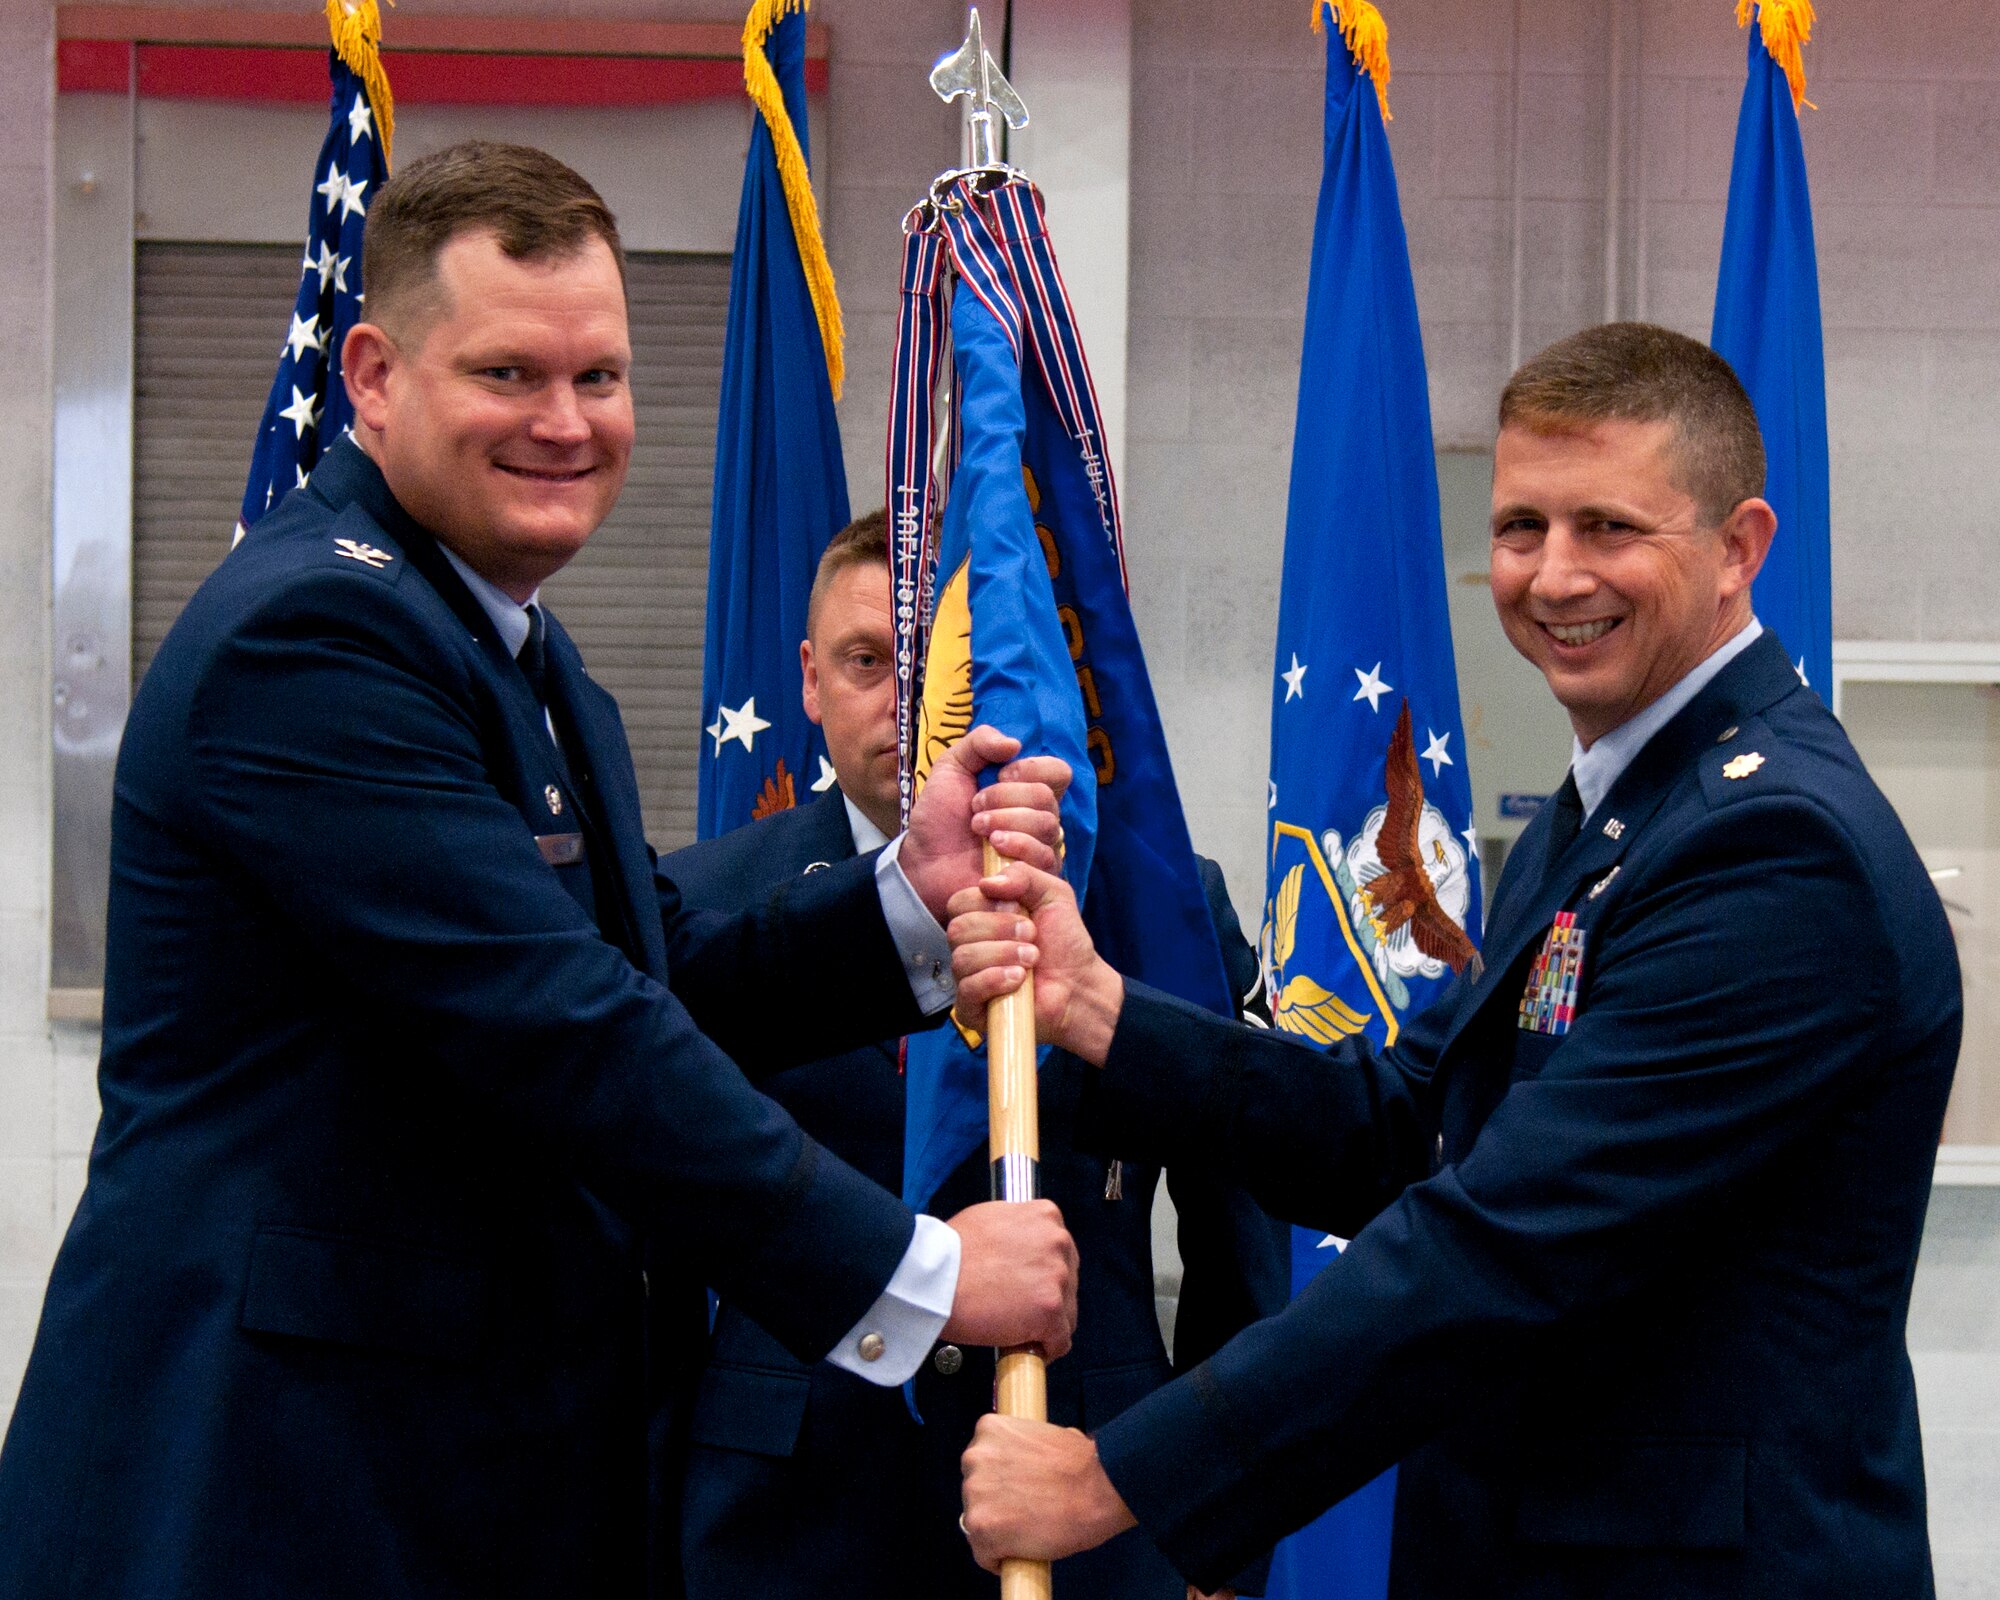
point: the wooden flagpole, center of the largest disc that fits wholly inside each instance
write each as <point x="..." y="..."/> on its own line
<point x="1014" y="1139"/>
<point x="1014" y="1142"/>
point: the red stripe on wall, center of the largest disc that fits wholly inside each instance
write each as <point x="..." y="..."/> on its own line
<point x="204" y="72"/>
<point x="94" y="66"/>
<point x="419" y="77"/>
<point x="484" y="80"/>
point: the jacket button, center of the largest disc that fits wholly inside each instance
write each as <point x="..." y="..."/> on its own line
<point x="949" y="1359"/>
<point x="871" y="1346"/>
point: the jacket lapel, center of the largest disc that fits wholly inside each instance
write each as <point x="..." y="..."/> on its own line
<point x="613" y="796"/>
<point x="345" y="477"/>
<point x="1530" y="899"/>
<point x="824" y="837"/>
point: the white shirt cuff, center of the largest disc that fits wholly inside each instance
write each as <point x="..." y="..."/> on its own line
<point x="926" y="952"/>
<point x="890" y="1342"/>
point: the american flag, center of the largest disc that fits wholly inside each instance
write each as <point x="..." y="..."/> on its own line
<point x="308" y="406"/>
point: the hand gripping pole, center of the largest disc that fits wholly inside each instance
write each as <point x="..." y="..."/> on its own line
<point x="1014" y="1142"/>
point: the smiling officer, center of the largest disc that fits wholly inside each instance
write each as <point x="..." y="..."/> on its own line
<point x="1635" y="1211"/>
<point x="404" y="1039"/>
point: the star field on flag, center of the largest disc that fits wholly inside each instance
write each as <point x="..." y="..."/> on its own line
<point x="308" y="408"/>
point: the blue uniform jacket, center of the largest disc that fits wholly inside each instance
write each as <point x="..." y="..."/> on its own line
<point x="806" y="1481"/>
<point x="1627" y="1301"/>
<point x="350" y="1305"/>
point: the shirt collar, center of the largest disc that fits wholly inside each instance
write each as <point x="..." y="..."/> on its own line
<point x="509" y="616"/>
<point x="866" y="835"/>
<point x="1599" y="767"/>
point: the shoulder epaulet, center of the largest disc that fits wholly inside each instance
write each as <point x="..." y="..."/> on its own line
<point x="1744" y="760"/>
<point x="357" y="543"/>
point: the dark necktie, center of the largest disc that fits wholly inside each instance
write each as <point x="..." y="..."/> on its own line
<point x="1567" y="820"/>
<point x="534" y="663"/>
<point x="534" y="654"/>
<point x="605" y="889"/>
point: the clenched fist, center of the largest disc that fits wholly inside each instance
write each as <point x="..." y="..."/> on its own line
<point x="1016" y="1277"/>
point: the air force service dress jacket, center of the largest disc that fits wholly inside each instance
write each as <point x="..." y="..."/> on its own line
<point x="350" y="1305"/>
<point x="805" y="1482"/>
<point x="1627" y="1288"/>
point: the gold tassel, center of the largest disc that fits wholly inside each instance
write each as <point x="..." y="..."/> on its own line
<point x="1787" y="27"/>
<point x="357" y="40"/>
<point x="762" y="83"/>
<point x="1367" y="38"/>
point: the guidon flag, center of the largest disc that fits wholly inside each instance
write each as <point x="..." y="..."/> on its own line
<point x="1011" y="609"/>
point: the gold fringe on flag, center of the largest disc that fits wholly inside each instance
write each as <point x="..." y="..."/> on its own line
<point x="357" y="40"/>
<point x="1367" y="38"/>
<point x="762" y="83"/>
<point x="1787" y="26"/>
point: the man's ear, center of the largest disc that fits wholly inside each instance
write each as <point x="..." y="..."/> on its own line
<point x="1746" y="540"/>
<point x="367" y="357"/>
<point x="809" y="670"/>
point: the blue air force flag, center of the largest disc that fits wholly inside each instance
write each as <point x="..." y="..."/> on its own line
<point x="308" y="409"/>
<point x="780" y="482"/>
<point x="1029" y="625"/>
<point x="1767" y="326"/>
<point x="1372" y="897"/>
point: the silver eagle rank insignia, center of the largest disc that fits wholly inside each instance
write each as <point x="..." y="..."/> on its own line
<point x="366" y="554"/>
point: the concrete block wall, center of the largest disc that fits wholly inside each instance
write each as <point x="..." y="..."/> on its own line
<point x="888" y="137"/>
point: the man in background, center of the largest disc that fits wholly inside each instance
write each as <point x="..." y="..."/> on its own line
<point x="802" y="1481"/>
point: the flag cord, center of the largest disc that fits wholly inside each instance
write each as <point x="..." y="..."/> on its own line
<point x="793" y="176"/>
<point x="1787" y="28"/>
<point x="357" y="40"/>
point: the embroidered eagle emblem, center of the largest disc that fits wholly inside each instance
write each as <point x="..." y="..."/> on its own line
<point x="1402" y="894"/>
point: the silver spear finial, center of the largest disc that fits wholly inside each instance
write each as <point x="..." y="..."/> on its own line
<point x="971" y="72"/>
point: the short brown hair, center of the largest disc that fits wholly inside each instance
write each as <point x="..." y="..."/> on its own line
<point x="865" y="539"/>
<point x="535" y="206"/>
<point x="1636" y="372"/>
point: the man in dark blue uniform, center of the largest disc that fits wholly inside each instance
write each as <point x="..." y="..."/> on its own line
<point x="405" y="1039"/>
<point x="1635" y="1211"/>
<point x="805" y="1482"/>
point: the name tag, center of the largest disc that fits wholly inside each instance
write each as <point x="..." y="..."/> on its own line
<point x="560" y="849"/>
<point x="1548" y="1004"/>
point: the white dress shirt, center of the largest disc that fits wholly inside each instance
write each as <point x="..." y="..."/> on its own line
<point x="891" y="1340"/>
<point x="1599" y="767"/>
<point x="911" y="1311"/>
